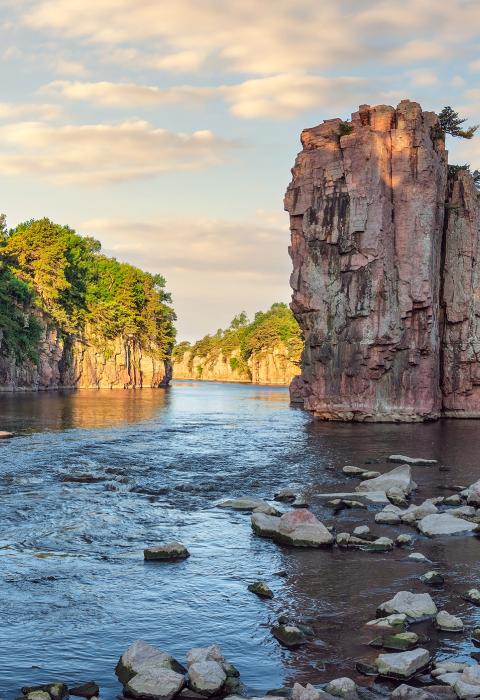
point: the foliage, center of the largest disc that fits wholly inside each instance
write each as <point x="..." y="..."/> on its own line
<point x="466" y="166"/>
<point x="345" y="128"/>
<point x="244" y="338"/>
<point x="69" y="279"/>
<point x="20" y="330"/>
<point x="451" y="123"/>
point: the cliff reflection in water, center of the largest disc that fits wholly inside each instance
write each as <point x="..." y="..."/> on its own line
<point x="84" y="408"/>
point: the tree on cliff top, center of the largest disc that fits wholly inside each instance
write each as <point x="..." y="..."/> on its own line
<point x="451" y="123"/>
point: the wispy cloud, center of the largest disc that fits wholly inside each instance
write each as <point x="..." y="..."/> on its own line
<point x="102" y="153"/>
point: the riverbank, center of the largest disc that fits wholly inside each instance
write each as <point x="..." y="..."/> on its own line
<point x="94" y="478"/>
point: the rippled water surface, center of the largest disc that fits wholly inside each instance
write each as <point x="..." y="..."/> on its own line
<point x="94" y="477"/>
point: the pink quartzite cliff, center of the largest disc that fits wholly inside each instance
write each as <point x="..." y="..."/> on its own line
<point x="384" y="270"/>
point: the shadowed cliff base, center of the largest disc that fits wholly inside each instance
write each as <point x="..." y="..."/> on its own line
<point x="384" y="250"/>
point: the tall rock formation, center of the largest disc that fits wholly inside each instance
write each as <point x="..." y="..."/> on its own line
<point x="369" y="247"/>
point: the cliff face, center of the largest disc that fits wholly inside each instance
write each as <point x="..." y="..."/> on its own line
<point x="272" y="366"/>
<point x="369" y="250"/>
<point x="80" y="364"/>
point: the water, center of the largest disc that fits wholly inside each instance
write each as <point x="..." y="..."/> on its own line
<point x="94" y="477"/>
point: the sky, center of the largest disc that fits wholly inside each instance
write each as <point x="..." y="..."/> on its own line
<point x="167" y="130"/>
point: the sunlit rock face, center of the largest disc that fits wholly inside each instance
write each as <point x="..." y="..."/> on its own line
<point x="367" y="212"/>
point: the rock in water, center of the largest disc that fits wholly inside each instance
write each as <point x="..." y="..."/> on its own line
<point x="444" y="524"/>
<point x="157" y="683"/>
<point x="261" y="589"/>
<point x="140" y="657"/>
<point x="416" y="606"/>
<point x="400" y="478"/>
<point x="342" y="688"/>
<point x="4" y="434"/>
<point x="448" y="623"/>
<point x="206" y="677"/>
<point x="365" y="226"/>
<point x="414" y="461"/>
<point x="289" y="635"/>
<point x="86" y="690"/>
<point x="473" y="596"/>
<point x="298" y="528"/>
<point x="172" y="551"/>
<point x="403" y="664"/>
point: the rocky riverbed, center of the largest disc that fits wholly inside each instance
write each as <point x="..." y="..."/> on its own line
<point x="293" y="610"/>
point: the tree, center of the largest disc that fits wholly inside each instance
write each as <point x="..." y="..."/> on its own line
<point x="450" y="122"/>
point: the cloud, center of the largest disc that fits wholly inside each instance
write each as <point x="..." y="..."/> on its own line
<point x="20" y="110"/>
<point x="278" y="97"/>
<point x="65" y="66"/>
<point x="423" y="78"/>
<point x="215" y="268"/>
<point x="103" y="153"/>
<point x="262" y="38"/>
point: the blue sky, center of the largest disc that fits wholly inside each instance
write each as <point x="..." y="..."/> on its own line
<point x="167" y="130"/>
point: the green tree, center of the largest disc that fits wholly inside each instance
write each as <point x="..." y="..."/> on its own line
<point x="451" y="123"/>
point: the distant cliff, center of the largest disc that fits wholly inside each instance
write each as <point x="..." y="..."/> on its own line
<point x="385" y="250"/>
<point x="264" y="351"/>
<point x="72" y="318"/>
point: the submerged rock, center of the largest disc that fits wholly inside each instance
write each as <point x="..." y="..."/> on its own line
<point x="285" y="495"/>
<point x="444" y="524"/>
<point x="432" y="578"/>
<point x="172" y="551"/>
<point x="401" y="641"/>
<point x="261" y="589"/>
<point x="416" y="606"/>
<point x="402" y="664"/>
<point x="414" y="461"/>
<point x="289" y="635"/>
<point x="299" y="528"/>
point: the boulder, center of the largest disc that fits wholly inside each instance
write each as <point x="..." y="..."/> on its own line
<point x="308" y="693"/>
<point x="140" y="657"/>
<point x="473" y="596"/>
<point x="261" y="589"/>
<point x="448" y="623"/>
<point x="285" y="495"/>
<point x="466" y="512"/>
<point x="173" y="551"/>
<point x="402" y="664"/>
<point x="444" y="524"/>
<point x="206" y="677"/>
<point x="400" y="478"/>
<point x="416" y="606"/>
<point x="473" y="494"/>
<point x="369" y="475"/>
<point x="386" y="517"/>
<point x="361" y="531"/>
<point x="211" y="653"/>
<point x="414" y="513"/>
<point x="392" y="623"/>
<point x="86" y="690"/>
<point x="370" y="496"/>
<point x="381" y="544"/>
<point x="56" y="690"/>
<point x="397" y="497"/>
<point x="158" y="683"/>
<point x="454" y="500"/>
<point x="342" y="688"/>
<point x="39" y="695"/>
<point x="408" y="692"/>
<point x="417" y="556"/>
<point x="401" y="641"/>
<point x="353" y="471"/>
<point x="298" y="528"/>
<point x="404" y="540"/>
<point x="414" y="461"/>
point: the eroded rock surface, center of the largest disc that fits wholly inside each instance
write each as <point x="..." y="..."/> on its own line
<point x="384" y="250"/>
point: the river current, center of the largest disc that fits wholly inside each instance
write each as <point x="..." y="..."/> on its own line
<point x="91" y="478"/>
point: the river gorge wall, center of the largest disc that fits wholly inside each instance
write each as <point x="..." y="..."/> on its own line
<point x="270" y="366"/>
<point x="80" y="362"/>
<point x="384" y="243"/>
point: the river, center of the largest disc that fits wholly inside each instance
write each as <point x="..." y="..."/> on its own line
<point x="91" y="478"/>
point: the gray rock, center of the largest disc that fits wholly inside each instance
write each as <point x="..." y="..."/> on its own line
<point x="206" y="677"/>
<point x="404" y="540"/>
<point x="444" y="524"/>
<point x="448" y="623"/>
<point x="309" y="693"/>
<point x="289" y="635"/>
<point x="463" y="512"/>
<point x="414" y="461"/>
<point x="416" y="606"/>
<point x="401" y="641"/>
<point x="298" y="528"/>
<point x="361" y="531"/>
<point x="402" y="664"/>
<point x="369" y="475"/>
<point x="417" y="556"/>
<point x="353" y="471"/>
<point x="342" y="688"/>
<point x="414" y="513"/>
<point x="408" y="692"/>
<point x="400" y="477"/>
<point x="386" y="517"/>
<point x="210" y="653"/>
<point x="454" y="500"/>
<point x="473" y="494"/>
<point x="285" y="495"/>
<point x="381" y="544"/>
<point x="371" y="496"/>
<point x="155" y="684"/>
<point x="38" y="695"/>
<point x="140" y="657"/>
<point x="397" y="497"/>
<point x="86" y="690"/>
<point x="173" y="551"/>
<point x="473" y="596"/>
<point x="466" y="690"/>
<point x="391" y="623"/>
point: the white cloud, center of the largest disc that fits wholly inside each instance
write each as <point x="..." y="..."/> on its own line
<point x="65" y="66"/>
<point x="214" y="267"/>
<point x="277" y="97"/>
<point x="276" y="36"/>
<point x="20" y="110"/>
<point x="102" y="153"/>
<point x="423" y="78"/>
